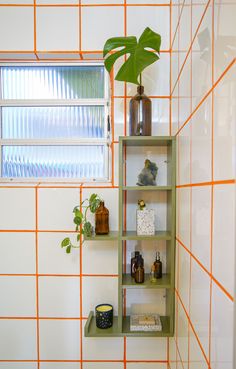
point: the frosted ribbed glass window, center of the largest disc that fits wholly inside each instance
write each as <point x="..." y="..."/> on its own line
<point x="57" y="82"/>
<point x="54" y="122"/>
<point x="53" y="161"/>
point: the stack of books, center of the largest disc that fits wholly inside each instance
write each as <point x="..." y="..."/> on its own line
<point x="145" y="322"/>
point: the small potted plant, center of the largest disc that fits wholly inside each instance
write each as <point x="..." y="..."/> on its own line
<point x="82" y="225"/>
<point x="139" y="58"/>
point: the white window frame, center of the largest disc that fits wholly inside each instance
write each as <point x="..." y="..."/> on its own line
<point x="61" y="142"/>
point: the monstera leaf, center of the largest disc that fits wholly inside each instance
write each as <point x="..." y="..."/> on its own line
<point x="139" y="58"/>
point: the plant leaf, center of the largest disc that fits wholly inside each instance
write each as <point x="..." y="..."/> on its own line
<point x="78" y="237"/>
<point x="139" y="58"/>
<point x="68" y="249"/>
<point x="77" y="220"/>
<point x="88" y="229"/>
<point x="65" y="242"/>
<point x="94" y="205"/>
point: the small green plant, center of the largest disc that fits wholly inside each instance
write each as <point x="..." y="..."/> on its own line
<point x="82" y="225"/>
<point x="140" y="55"/>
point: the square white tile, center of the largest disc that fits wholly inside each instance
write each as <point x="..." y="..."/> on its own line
<point x="59" y="297"/>
<point x="55" y="208"/>
<point x="18" y="340"/>
<point x="201" y="142"/>
<point x="53" y="259"/>
<point x="106" y="22"/>
<point x="57" y="28"/>
<point x="103" y="348"/>
<point x="103" y="366"/>
<point x="147" y="366"/>
<point x="222" y="335"/>
<point x="224" y="127"/>
<point x="60" y="340"/>
<point x="183" y="215"/>
<point x="200" y="304"/>
<point x="148" y="349"/>
<point x="158" y="21"/>
<point x="23" y="201"/>
<point x="99" y="290"/>
<point x="100" y="257"/>
<point x="201" y="224"/>
<point x="202" y="59"/>
<point x="17" y="253"/>
<point x="183" y="281"/>
<point x="23" y="365"/>
<point x="223" y="249"/>
<point x="19" y="296"/>
<point x="182" y="334"/>
<point x="18" y="24"/>
<point x="183" y="155"/>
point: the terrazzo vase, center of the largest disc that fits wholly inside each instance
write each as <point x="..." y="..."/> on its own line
<point x="145" y="222"/>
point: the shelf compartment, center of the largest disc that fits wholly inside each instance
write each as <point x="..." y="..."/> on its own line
<point x="91" y="330"/>
<point x="147" y="188"/>
<point x="112" y="236"/>
<point x="159" y="235"/>
<point x="165" y="321"/>
<point x="164" y="282"/>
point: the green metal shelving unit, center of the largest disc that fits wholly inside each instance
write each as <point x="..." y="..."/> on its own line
<point x="121" y="325"/>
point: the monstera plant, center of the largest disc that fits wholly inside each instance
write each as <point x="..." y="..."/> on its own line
<point x="141" y="54"/>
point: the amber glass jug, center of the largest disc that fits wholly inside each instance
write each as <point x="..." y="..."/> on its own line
<point x="102" y="219"/>
<point x="140" y="110"/>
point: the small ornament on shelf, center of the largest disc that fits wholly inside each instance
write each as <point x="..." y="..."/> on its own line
<point x="145" y="220"/>
<point x="145" y="322"/>
<point x="147" y="176"/>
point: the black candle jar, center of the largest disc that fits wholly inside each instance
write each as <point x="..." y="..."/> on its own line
<point x="104" y="316"/>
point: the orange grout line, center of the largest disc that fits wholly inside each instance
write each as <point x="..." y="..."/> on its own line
<point x="210" y="183"/>
<point x="81" y="285"/>
<point x="36" y="272"/>
<point x="125" y="353"/>
<point x="178" y="23"/>
<point x="206" y="271"/>
<point x="82" y="5"/>
<point x="84" y="361"/>
<point x="207" y="94"/>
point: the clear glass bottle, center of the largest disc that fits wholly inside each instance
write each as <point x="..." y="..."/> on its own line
<point x="140" y="112"/>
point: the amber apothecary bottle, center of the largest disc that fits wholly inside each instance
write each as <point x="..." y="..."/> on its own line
<point x="102" y="219"/>
<point x="139" y="271"/>
<point x="158" y="267"/>
<point x="133" y="264"/>
<point x="140" y="110"/>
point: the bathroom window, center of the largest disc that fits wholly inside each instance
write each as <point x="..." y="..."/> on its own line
<point x="54" y="122"/>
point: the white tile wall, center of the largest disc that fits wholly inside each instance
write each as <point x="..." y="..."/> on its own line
<point x="60" y="339"/>
<point x="19" y="213"/>
<point x="64" y="35"/>
<point x="18" y="23"/>
<point x="19" y="301"/>
<point x="59" y="297"/>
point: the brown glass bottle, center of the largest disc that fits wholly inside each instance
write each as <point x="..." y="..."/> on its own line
<point x="102" y="219"/>
<point x="133" y="264"/>
<point x="158" y="267"/>
<point x="139" y="271"/>
<point x="140" y="110"/>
